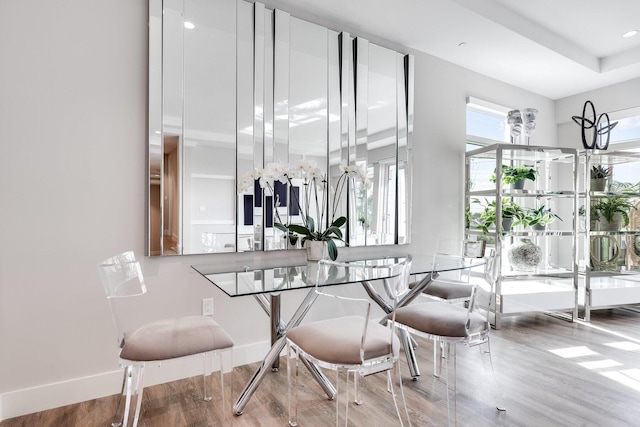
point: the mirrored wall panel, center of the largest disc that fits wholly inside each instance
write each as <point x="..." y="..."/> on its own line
<point x="382" y="144"/>
<point x="192" y="152"/>
<point x="255" y="118"/>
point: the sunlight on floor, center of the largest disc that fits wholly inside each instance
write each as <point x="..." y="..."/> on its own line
<point x="625" y="345"/>
<point x="600" y="364"/>
<point x="629" y="377"/>
<point x="570" y="352"/>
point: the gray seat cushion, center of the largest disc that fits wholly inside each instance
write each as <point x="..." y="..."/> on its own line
<point x="449" y="290"/>
<point x="338" y="340"/>
<point x="171" y="338"/>
<point x="437" y="318"/>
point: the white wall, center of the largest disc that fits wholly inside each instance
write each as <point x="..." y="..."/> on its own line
<point x="72" y="181"/>
<point x="439" y="141"/>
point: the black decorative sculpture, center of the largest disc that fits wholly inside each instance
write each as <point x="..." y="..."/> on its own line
<point x="594" y="124"/>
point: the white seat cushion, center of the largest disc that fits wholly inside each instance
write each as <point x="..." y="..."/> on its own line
<point x="442" y="319"/>
<point x="338" y="340"/>
<point x="171" y="338"/>
<point x="449" y="290"/>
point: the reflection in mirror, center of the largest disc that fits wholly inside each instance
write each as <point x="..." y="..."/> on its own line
<point x="604" y="252"/>
<point x="154" y="157"/>
<point x="249" y="218"/>
<point x="172" y="127"/>
<point x="383" y="144"/>
<point x="405" y="146"/>
<point x="234" y="86"/>
<point x="209" y="147"/>
<point x="633" y="249"/>
<point x="194" y="156"/>
<point x="301" y="122"/>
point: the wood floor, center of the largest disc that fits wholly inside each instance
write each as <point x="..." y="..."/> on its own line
<point x="550" y="373"/>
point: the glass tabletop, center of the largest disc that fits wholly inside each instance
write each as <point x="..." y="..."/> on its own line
<point x="251" y="281"/>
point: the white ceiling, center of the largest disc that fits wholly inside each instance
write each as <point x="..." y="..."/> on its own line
<point x="555" y="48"/>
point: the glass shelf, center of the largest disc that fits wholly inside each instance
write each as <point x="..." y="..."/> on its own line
<point x="555" y="187"/>
<point x="616" y="281"/>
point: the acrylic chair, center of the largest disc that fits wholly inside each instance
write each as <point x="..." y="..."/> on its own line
<point x="157" y="341"/>
<point x="450" y="324"/>
<point x="352" y="344"/>
<point x="454" y="286"/>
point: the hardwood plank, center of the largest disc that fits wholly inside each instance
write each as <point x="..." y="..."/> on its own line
<point x="538" y="384"/>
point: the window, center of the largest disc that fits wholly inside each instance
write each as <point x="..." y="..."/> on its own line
<point x="486" y="123"/>
<point x="626" y="134"/>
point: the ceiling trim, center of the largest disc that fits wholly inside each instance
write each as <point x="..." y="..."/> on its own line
<point x="537" y="34"/>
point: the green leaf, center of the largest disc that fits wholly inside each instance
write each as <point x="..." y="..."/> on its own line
<point x="339" y="222"/>
<point x="625" y="218"/>
<point x="332" y="230"/>
<point x="281" y="227"/>
<point x="300" y="229"/>
<point x="332" y="249"/>
<point x="311" y="224"/>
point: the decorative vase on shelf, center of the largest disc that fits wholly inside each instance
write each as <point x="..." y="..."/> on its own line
<point x="518" y="185"/>
<point x="614" y="225"/>
<point x="598" y="184"/>
<point x="316" y="249"/>
<point x="524" y="255"/>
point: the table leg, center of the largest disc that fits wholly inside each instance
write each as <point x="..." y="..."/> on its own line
<point x="276" y="332"/>
<point x="276" y="348"/>
<point x="408" y="343"/>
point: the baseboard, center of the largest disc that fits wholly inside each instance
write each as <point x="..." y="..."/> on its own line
<point x="54" y="395"/>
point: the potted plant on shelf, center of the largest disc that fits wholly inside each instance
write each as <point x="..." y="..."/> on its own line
<point x="599" y="175"/>
<point x="515" y="176"/>
<point x="512" y="214"/>
<point x="611" y="213"/>
<point x="539" y="218"/>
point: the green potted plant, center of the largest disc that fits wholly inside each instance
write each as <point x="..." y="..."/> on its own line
<point x="612" y="212"/>
<point x="599" y="175"/>
<point x="512" y="214"/>
<point x="515" y="176"/>
<point x="539" y="218"/>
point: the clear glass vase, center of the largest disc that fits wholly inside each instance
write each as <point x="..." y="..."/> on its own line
<point x="524" y="255"/>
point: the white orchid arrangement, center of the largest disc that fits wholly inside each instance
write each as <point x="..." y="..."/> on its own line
<point x="315" y="194"/>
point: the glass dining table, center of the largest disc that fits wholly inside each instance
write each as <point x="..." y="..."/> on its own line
<point x="267" y="284"/>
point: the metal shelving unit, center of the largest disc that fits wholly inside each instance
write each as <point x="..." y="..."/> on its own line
<point x="552" y="285"/>
<point x="610" y="265"/>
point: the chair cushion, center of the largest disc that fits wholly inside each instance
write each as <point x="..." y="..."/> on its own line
<point x="338" y="340"/>
<point x="449" y="290"/>
<point x="437" y="318"/>
<point x="171" y="338"/>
